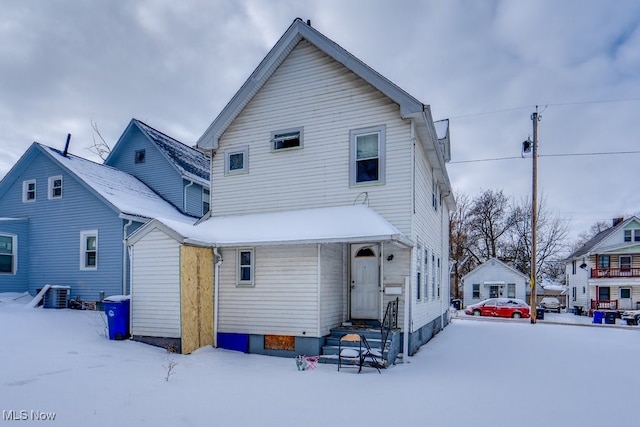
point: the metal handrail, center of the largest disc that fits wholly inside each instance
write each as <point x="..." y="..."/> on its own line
<point x="390" y="321"/>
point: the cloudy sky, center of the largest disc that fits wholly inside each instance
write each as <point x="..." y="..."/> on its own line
<point x="484" y="64"/>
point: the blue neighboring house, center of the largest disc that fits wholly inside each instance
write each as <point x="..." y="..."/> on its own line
<point x="64" y="219"/>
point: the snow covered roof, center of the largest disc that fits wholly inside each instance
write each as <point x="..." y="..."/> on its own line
<point x="124" y="192"/>
<point x="322" y="225"/>
<point x="190" y="162"/>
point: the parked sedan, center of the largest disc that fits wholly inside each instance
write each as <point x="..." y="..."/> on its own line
<point x="631" y="316"/>
<point x="550" y="304"/>
<point x="500" y="307"/>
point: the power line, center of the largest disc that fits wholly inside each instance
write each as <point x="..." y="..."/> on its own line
<point x="602" y="153"/>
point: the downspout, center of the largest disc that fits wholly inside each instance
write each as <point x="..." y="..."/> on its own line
<point x="124" y="257"/>
<point x="217" y="261"/>
<point x="319" y="288"/>
<point x="184" y="202"/>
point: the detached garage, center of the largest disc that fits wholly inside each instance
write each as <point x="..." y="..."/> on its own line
<point x="171" y="290"/>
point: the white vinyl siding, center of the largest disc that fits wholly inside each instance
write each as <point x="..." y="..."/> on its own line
<point x="155" y="289"/>
<point x="318" y="175"/>
<point x="333" y="293"/>
<point x="283" y="299"/>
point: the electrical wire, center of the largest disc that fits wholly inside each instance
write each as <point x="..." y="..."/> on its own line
<point x="602" y="153"/>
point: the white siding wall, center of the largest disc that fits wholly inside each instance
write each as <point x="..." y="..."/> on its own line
<point x="284" y="298"/>
<point x="394" y="273"/>
<point x="333" y="289"/>
<point x="312" y="91"/>
<point x="579" y="280"/>
<point x="155" y="290"/>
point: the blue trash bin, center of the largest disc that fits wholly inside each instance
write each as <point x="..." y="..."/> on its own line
<point x="598" y="316"/>
<point x="117" y="311"/>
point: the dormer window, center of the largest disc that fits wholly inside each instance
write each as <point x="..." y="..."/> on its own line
<point x="286" y="139"/>
<point x="632" y="235"/>
<point x="139" y="156"/>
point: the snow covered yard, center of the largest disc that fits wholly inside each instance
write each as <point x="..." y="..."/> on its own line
<point x="479" y="373"/>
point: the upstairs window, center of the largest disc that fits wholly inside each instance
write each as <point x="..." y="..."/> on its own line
<point x="205" y="200"/>
<point x="236" y="161"/>
<point x="55" y="187"/>
<point x="286" y="139"/>
<point x="89" y="250"/>
<point x="367" y="155"/>
<point x="604" y="261"/>
<point x="139" y="156"/>
<point x="7" y="254"/>
<point x="29" y="190"/>
<point x="625" y="262"/>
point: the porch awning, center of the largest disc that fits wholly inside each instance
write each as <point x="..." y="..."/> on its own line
<point x="343" y="224"/>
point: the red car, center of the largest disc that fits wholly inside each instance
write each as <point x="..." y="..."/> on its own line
<point x="500" y="307"/>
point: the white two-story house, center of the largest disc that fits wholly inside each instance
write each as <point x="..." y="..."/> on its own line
<point x="330" y="199"/>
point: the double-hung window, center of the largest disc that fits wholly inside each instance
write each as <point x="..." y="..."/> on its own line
<point x="604" y="261"/>
<point x="89" y="250"/>
<point x="476" y="291"/>
<point x="7" y="254"/>
<point x="236" y="161"/>
<point x="55" y="187"/>
<point x="245" y="266"/>
<point x="625" y="262"/>
<point x="367" y="155"/>
<point x="511" y="290"/>
<point x="29" y="190"/>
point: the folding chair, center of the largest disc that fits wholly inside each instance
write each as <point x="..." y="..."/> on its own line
<point x="356" y="355"/>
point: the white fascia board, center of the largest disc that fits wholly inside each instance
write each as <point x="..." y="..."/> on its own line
<point x="396" y="239"/>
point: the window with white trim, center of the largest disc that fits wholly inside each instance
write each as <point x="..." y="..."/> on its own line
<point x="236" y="161"/>
<point x="286" y="139"/>
<point x="625" y="262"/>
<point x="89" y="250"/>
<point x="419" y="275"/>
<point x="367" y="155"/>
<point x="29" y="190"/>
<point x="511" y="290"/>
<point x="55" y="187"/>
<point x="476" y="291"/>
<point x="8" y="254"/>
<point x="245" y="267"/>
<point x="439" y="277"/>
<point x="433" y="276"/>
<point x="205" y="200"/>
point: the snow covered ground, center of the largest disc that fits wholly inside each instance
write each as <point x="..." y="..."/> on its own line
<point x="476" y="372"/>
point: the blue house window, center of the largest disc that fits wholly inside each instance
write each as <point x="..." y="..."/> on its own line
<point x="55" y="187"/>
<point x="205" y="200"/>
<point x="7" y="254"/>
<point x="139" y="156"/>
<point x="29" y="190"/>
<point x="89" y="250"/>
<point x="367" y="155"/>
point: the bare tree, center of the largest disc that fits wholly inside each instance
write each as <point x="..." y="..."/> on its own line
<point x="490" y="217"/>
<point x="99" y="146"/>
<point x="460" y="242"/>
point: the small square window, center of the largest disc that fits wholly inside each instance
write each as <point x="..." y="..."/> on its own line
<point x="55" y="187"/>
<point x="236" y="161"/>
<point x="140" y="156"/>
<point x="286" y="139"/>
<point x="29" y="190"/>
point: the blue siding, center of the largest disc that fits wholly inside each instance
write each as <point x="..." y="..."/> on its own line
<point x="194" y="198"/>
<point x="156" y="171"/>
<point x="54" y="229"/>
<point x="17" y="282"/>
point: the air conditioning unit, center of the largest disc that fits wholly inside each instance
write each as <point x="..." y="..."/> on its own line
<point x="57" y="297"/>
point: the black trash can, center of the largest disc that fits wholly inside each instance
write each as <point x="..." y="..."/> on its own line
<point x="610" y="317"/>
<point x="539" y="313"/>
<point x="117" y="309"/>
<point x="577" y="310"/>
<point x="456" y="303"/>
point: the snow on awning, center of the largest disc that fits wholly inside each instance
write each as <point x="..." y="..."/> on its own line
<point x="344" y="224"/>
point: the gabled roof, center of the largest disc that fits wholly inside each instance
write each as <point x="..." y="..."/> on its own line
<point x="486" y="263"/>
<point x="593" y="243"/>
<point x="190" y="163"/>
<point x="342" y="224"/>
<point x="122" y="192"/>
<point x="410" y="107"/>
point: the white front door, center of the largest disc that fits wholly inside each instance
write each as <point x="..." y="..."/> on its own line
<point x="365" y="282"/>
<point x="625" y="299"/>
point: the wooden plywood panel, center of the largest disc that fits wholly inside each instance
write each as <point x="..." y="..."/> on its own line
<point x="279" y="342"/>
<point x="196" y="297"/>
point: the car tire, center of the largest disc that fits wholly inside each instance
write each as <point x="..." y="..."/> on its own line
<point x="477" y="313"/>
<point x="516" y="315"/>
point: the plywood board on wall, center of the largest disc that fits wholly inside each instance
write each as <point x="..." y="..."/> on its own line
<point x="196" y="297"/>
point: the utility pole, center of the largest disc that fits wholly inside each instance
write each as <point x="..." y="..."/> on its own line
<point x="534" y="220"/>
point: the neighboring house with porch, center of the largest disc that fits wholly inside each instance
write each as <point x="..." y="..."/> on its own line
<point x="65" y="219"/>
<point x="493" y="279"/>
<point x="605" y="272"/>
<point x="330" y="200"/>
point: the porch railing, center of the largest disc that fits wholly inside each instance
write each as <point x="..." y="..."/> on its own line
<point x="604" y="273"/>
<point x="604" y="304"/>
<point x="389" y="322"/>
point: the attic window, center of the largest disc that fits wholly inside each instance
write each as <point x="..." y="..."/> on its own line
<point x="29" y="190"/>
<point x="628" y="235"/>
<point x="286" y="139"/>
<point x="139" y="156"/>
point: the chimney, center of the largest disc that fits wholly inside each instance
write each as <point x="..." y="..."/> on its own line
<point x="617" y="221"/>
<point x="66" y="146"/>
